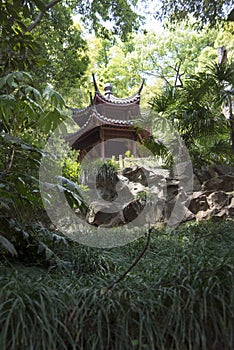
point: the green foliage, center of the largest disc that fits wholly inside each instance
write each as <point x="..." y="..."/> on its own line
<point x="7" y="245"/>
<point x="20" y="202"/>
<point x="71" y="167"/>
<point x="91" y="169"/>
<point x="37" y="35"/>
<point x="21" y="207"/>
<point x="73" y="193"/>
<point x="107" y="172"/>
<point x="19" y="102"/>
<point x="28" y="116"/>
<point x="120" y="13"/>
<point x="60" y="38"/>
<point x="195" y="110"/>
<point x="158" y="57"/>
<point x="23" y="107"/>
<point x="18" y="47"/>
<point x="205" y="12"/>
<point x="180" y="296"/>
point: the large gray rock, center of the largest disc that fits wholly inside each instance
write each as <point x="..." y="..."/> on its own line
<point x="177" y="212"/>
<point x="154" y="211"/>
<point x="172" y="189"/>
<point x="102" y="213"/>
<point x="204" y="214"/>
<point x="198" y="202"/>
<point x="182" y="170"/>
<point x="222" y="182"/>
<point x="162" y="197"/>
<point x="223" y="169"/>
<point x="124" y="194"/>
<point x="212" y="214"/>
<point x="196" y="183"/>
<point x="218" y="200"/>
<point x="137" y="188"/>
<point x="230" y="208"/>
<point x="206" y="173"/>
<point x="220" y="215"/>
<point x="156" y="180"/>
<point x="133" y="209"/>
<point x="136" y="174"/>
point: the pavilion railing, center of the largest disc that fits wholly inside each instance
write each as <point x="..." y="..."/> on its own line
<point x="149" y="162"/>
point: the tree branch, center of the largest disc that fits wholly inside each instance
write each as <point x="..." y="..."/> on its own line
<point x="41" y="14"/>
<point x="148" y="235"/>
<point x="178" y="82"/>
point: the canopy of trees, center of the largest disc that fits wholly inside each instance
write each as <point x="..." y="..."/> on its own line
<point x="46" y="61"/>
<point x="205" y="12"/>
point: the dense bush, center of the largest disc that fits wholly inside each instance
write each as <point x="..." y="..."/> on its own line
<point x="179" y="296"/>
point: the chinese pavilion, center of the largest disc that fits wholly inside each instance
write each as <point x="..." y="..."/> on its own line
<point x="108" y="126"/>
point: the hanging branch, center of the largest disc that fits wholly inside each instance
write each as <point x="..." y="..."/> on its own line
<point x="148" y="234"/>
<point x="41" y="14"/>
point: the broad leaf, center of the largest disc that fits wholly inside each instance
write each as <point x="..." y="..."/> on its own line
<point x="8" y="245"/>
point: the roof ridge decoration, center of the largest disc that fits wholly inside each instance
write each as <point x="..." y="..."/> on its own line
<point x="110" y="98"/>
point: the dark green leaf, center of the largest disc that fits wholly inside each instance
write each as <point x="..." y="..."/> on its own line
<point x="41" y="5"/>
<point x="8" y="245"/>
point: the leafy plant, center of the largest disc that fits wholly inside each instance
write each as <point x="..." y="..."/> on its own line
<point x="28" y="117"/>
<point x="71" y="167"/>
<point x="107" y="172"/>
<point x="195" y="110"/>
<point x="179" y="296"/>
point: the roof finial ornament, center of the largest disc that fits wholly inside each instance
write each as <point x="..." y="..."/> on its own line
<point x="108" y="89"/>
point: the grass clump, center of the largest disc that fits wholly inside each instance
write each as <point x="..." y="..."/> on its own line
<point x="179" y="296"/>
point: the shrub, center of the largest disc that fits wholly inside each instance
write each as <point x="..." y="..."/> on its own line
<point x="179" y="296"/>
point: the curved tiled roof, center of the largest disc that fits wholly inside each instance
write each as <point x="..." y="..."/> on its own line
<point x="95" y="119"/>
<point x="113" y="113"/>
<point x="81" y="110"/>
<point x="124" y="109"/>
<point x="105" y="109"/>
<point x="80" y="115"/>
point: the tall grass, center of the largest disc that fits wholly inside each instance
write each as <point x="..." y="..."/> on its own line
<point x="179" y="296"/>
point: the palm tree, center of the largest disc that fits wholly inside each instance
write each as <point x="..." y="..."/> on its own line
<point x="196" y="109"/>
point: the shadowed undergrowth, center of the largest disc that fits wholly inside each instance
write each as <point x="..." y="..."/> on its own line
<point x="179" y="296"/>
